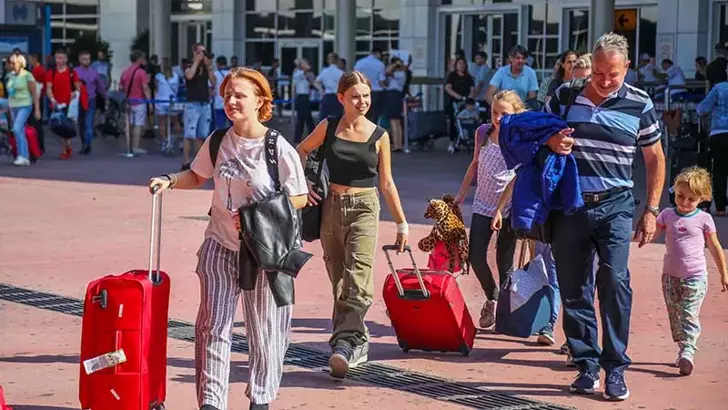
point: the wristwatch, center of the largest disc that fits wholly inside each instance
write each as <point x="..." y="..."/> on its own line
<point x="654" y="210"/>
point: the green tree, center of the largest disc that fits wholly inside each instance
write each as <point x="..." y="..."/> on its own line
<point x="90" y="42"/>
<point x="141" y="43"/>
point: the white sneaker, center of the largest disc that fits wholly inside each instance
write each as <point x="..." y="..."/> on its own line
<point x="140" y="151"/>
<point x="487" y="314"/>
<point x="21" y="161"/>
<point x="451" y="149"/>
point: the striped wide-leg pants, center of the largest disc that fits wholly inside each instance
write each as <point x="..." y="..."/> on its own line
<point x="267" y="326"/>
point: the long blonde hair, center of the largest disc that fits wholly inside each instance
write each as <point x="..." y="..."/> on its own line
<point x="510" y="97"/>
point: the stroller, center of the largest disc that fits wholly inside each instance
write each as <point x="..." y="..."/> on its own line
<point x="466" y="122"/>
<point x="113" y="117"/>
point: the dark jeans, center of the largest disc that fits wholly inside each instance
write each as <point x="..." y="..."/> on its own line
<point x="719" y="153"/>
<point x="505" y="248"/>
<point x="303" y="116"/>
<point x="604" y="228"/>
<point x="330" y="105"/>
<point x="377" y="107"/>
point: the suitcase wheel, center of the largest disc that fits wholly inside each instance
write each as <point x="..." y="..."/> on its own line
<point x="403" y="345"/>
<point x="464" y="350"/>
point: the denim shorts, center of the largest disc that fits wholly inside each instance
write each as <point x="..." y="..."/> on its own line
<point x="197" y="117"/>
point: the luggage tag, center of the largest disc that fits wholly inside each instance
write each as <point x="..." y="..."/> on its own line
<point x="104" y="361"/>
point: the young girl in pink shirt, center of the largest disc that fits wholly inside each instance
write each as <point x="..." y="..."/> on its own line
<point x="685" y="273"/>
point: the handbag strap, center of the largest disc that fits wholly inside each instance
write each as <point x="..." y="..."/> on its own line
<point x="271" y="157"/>
<point x="331" y="125"/>
<point x="525" y="247"/>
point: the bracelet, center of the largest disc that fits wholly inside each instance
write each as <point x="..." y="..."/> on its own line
<point x="403" y="228"/>
<point x="172" y="179"/>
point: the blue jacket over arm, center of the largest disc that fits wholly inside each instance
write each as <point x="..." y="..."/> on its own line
<point x="546" y="181"/>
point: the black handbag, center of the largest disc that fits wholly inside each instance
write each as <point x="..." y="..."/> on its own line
<point x="317" y="173"/>
<point x="270" y="227"/>
<point x="543" y="232"/>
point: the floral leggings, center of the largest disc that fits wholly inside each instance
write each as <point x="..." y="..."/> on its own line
<point x="683" y="298"/>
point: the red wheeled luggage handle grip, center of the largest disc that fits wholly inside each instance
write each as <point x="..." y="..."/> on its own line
<point x="398" y="283"/>
<point x="155" y="235"/>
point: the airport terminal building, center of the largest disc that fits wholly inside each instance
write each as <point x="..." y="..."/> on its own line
<point x="257" y="31"/>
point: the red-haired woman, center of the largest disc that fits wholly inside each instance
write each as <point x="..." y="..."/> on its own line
<point x="358" y="155"/>
<point x="241" y="177"/>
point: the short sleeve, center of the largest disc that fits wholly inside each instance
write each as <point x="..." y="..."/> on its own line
<point x="450" y="78"/>
<point x="49" y="76"/>
<point x="661" y="218"/>
<point x="497" y="78"/>
<point x="144" y="78"/>
<point x="709" y="225"/>
<point x="202" y="164"/>
<point x="532" y="81"/>
<point x="293" y="179"/>
<point x="649" y="133"/>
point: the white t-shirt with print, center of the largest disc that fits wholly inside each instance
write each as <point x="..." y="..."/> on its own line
<point x="241" y="177"/>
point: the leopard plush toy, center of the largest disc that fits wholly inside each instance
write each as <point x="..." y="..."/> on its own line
<point x="449" y="228"/>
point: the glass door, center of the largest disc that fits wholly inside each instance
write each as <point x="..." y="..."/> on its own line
<point x="191" y="33"/>
<point x="288" y="53"/>
<point x="494" y="30"/>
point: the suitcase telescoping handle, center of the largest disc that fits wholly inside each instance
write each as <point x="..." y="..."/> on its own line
<point x="155" y="235"/>
<point x="400" y="289"/>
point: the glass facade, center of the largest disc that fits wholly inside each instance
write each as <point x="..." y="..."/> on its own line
<point x="71" y="19"/>
<point x="720" y="31"/>
<point x="272" y="25"/>
<point x="641" y="40"/>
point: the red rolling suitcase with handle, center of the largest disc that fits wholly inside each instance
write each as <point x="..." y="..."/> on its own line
<point x="427" y="309"/>
<point x="3" y="404"/>
<point x="124" y="335"/>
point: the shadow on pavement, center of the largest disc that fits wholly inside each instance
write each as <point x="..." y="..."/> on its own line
<point x="42" y="359"/>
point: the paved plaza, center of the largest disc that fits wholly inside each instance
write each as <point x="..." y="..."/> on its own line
<point x="65" y="223"/>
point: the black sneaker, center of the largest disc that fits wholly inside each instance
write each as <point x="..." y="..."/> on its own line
<point x="339" y="361"/>
<point x="258" y="406"/>
<point x="585" y="383"/>
<point x="615" y="388"/>
<point x="208" y="407"/>
<point x="564" y="348"/>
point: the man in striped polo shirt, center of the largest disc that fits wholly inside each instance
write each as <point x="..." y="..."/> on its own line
<point x="610" y="119"/>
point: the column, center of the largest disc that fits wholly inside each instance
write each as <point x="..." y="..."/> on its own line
<point x="346" y="30"/>
<point x="228" y="28"/>
<point x="418" y="35"/>
<point x="160" y="30"/>
<point x="118" y="26"/>
<point x="601" y="18"/>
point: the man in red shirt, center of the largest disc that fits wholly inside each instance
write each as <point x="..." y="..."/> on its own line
<point x="61" y="84"/>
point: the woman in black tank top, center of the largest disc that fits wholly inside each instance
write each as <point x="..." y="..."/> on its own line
<point x="357" y="153"/>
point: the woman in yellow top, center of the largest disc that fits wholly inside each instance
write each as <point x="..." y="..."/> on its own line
<point x="22" y="97"/>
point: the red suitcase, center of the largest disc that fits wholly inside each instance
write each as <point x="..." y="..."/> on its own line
<point x="127" y="312"/>
<point x="427" y="309"/>
<point x="3" y="404"/>
<point x="31" y="135"/>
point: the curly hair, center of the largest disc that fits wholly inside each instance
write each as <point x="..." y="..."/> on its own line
<point x="261" y="86"/>
<point x="697" y="180"/>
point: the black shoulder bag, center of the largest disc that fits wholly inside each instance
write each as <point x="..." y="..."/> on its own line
<point x="543" y="232"/>
<point x="270" y="227"/>
<point x="318" y="174"/>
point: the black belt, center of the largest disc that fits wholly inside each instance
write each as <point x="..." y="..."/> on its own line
<point x="591" y="198"/>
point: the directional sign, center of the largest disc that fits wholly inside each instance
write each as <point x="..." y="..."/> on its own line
<point x="625" y="20"/>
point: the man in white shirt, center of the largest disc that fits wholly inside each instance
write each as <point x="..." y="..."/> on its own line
<point x="375" y="70"/>
<point x="328" y="80"/>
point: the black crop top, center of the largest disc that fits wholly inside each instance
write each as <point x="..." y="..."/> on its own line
<point x="354" y="163"/>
